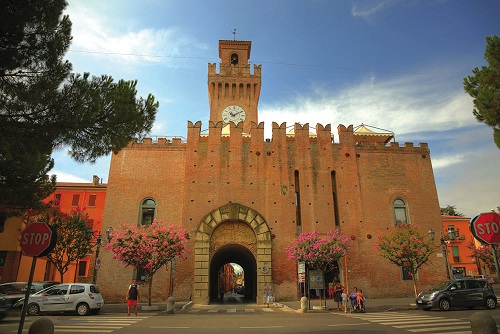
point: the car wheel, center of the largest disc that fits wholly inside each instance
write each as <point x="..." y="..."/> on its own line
<point x="82" y="309"/>
<point x="32" y="309"/>
<point x="444" y="304"/>
<point x="491" y="303"/>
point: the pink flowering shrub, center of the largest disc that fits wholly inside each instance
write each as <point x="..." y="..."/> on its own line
<point x="319" y="252"/>
<point x="147" y="247"/>
<point x="406" y="247"/>
<point x="483" y="253"/>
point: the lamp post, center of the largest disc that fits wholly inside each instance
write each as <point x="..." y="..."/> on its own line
<point x="451" y="235"/>
<point x="98" y="242"/>
<point x="96" y="260"/>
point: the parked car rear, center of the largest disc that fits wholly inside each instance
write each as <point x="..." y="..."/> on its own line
<point x="12" y="292"/>
<point x="81" y="298"/>
<point x="458" y="293"/>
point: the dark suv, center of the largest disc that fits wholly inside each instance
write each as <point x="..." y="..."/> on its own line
<point x="458" y="293"/>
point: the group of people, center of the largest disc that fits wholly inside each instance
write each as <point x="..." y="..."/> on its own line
<point x="340" y="296"/>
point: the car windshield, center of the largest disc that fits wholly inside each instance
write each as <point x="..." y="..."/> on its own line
<point x="440" y="286"/>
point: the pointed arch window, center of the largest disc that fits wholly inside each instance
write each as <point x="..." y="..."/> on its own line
<point x="400" y="210"/>
<point x="148" y="212"/>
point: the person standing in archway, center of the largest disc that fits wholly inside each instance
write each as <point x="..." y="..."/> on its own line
<point x="337" y="297"/>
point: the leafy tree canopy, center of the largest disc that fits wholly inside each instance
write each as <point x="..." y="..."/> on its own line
<point x="72" y="241"/>
<point x="319" y="252"/>
<point x="44" y="106"/>
<point x="406" y="247"/>
<point x="484" y="87"/>
<point x="451" y="210"/>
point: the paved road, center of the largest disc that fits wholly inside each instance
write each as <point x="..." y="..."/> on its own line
<point x="255" y="319"/>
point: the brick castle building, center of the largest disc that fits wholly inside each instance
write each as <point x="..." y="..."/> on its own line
<point x="244" y="198"/>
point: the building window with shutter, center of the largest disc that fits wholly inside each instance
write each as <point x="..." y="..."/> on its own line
<point x="83" y="268"/>
<point x="92" y="199"/>
<point x="57" y="199"/>
<point x="76" y="200"/>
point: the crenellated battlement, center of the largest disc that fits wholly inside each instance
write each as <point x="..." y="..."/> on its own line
<point x="300" y="134"/>
<point x="230" y="70"/>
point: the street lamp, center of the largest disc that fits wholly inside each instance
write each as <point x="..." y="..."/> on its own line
<point x="443" y="247"/>
<point x="98" y="240"/>
<point x="108" y="234"/>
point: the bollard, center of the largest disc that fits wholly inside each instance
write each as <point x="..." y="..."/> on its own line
<point x="42" y="326"/>
<point x="171" y="305"/>
<point x="483" y="323"/>
<point x="303" y="304"/>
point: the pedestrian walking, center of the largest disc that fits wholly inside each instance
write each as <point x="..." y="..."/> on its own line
<point x="132" y="296"/>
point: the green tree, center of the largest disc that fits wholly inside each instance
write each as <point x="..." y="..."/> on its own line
<point x="451" y="210"/>
<point x="484" y="87"/>
<point x="44" y="106"/>
<point x="72" y="241"/>
<point x="406" y="247"/>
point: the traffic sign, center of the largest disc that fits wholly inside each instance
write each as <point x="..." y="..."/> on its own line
<point x="486" y="228"/>
<point x="38" y="239"/>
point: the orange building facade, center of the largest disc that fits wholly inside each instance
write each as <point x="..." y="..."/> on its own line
<point x="456" y="237"/>
<point x="68" y="196"/>
<point x="244" y="198"/>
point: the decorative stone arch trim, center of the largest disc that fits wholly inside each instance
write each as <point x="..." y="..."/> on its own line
<point x="230" y="212"/>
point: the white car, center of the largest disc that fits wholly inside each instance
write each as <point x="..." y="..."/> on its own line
<point x="82" y="298"/>
<point x="486" y="278"/>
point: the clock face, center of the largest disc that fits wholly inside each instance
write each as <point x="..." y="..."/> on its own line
<point x="234" y="114"/>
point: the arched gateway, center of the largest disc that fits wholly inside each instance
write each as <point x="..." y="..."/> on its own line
<point x="232" y="233"/>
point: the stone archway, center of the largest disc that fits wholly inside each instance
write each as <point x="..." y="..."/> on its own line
<point x="237" y="218"/>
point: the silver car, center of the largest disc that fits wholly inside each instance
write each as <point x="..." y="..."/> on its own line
<point x="81" y="298"/>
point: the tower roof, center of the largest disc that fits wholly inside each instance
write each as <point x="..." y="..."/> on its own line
<point x="363" y="134"/>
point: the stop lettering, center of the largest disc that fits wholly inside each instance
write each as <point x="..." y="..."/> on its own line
<point x="37" y="239"/>
<point x="486" y="227"/>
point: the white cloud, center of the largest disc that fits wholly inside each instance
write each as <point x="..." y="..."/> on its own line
<point x="447" y="161"/>
<point x="99" y="35"/>
<point x="368" y="9"/>
<point x="410" y="104"/>
<point x="65" y="177"/>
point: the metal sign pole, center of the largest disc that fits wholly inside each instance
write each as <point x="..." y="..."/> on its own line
<point x="27" y="296"/>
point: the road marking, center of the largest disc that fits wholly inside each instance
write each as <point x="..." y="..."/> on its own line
<point x="417" y="323"/>
<point x="411" y="324"/>
<point x="438" y="329"/>
<point x="231" y="310"/>
<point x="260" y="327"/>
<point x="249" y="310"/>
<point x="358" y="324"/>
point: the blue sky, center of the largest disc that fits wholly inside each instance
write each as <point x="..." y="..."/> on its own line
<point x="393" y="64"/>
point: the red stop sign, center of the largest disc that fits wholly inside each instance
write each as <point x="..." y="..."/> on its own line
<point x="38" y="239"/>
<point x="486" y="227"/>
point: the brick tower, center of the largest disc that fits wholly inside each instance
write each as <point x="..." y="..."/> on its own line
<point x="233" y="93"/>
